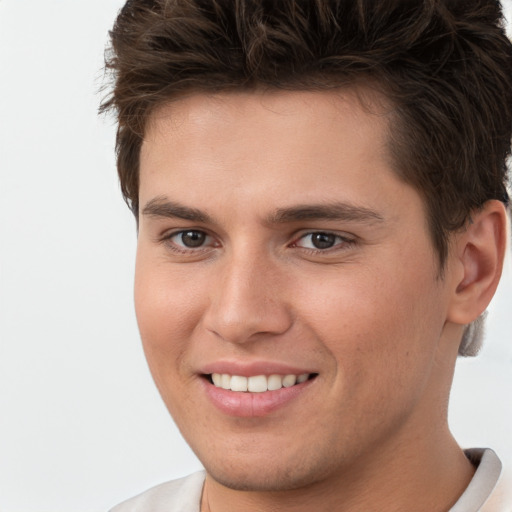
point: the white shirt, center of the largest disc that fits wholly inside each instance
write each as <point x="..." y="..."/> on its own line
<point x="487" y="491"/>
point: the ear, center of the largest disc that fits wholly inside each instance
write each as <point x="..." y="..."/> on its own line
<point x="478" y="255"/>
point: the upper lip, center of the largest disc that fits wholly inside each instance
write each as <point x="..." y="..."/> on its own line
<point x="248" y="369"/>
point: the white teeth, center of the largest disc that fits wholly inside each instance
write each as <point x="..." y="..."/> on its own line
<point x="257" y="383"/>
<point x="274" y="382"/>
<point x="238" y="383"/>
<point x="289" y="381"/>
<point x="225" y="381"/>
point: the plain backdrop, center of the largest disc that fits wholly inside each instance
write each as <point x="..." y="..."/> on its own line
<point x="81" y="424"/>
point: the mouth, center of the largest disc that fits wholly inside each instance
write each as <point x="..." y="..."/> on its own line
<point x="257" y="383"/>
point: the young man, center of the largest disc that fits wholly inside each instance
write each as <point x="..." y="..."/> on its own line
<point x="320" y="191"/>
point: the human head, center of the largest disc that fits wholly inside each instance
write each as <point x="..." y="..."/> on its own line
<point x="444" y="66"/>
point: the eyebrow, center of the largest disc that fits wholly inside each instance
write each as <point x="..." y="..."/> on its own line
<point x="162" y="207"/>
<point x="332" y="211"/>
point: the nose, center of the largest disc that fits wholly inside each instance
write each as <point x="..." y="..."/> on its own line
<point x="247" y="302"/>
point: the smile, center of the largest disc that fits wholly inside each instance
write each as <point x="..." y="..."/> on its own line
<point x="255" y="395"/>
<point x="257" y="383"/>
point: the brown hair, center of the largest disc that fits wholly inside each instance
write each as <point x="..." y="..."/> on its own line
<point x="445" y="65"/>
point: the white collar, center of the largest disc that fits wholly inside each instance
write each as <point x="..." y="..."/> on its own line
<point x="485" y="492"/>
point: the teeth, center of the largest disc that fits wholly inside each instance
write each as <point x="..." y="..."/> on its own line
<point x="225" y="381"/>
<point x="238" y="383"/>
<point x="302" y="378"/>
<point x="274" y="382"/>
<point x="257" y="383"/>
<point x="289" y="381"/>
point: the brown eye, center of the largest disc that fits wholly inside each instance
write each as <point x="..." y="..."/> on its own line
<point x="191" y="239"/>
<point x="190" y="242"/>
<point x="323" y="240"/>
<point x="319" y="240"/>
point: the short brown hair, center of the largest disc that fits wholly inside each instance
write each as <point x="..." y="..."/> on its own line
<point x="445" y="65"/>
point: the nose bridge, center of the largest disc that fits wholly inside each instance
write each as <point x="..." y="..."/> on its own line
<point x="248" y="299"/>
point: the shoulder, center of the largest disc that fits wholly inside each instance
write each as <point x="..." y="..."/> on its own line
<point x="182" y="495"/>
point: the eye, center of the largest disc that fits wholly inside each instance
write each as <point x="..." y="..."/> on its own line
<point x="190" y="239"/>
<point x="321" y="240"/>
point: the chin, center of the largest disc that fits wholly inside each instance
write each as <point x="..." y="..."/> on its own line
<point x="259" y="483"/>
<point x="267" y="476"/>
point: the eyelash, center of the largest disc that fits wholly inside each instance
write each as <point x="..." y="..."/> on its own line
<point x="182" y="249"/>
<point x="341" y="242"/>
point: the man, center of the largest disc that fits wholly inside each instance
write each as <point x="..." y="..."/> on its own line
<point x="320" y="191"/>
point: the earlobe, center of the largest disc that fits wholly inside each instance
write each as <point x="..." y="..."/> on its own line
<point x="479" y="254"/>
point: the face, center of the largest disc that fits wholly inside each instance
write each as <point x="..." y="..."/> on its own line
<point x="287" y="291"/>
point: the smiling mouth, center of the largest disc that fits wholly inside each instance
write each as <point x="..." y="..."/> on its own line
<point x="257" y="383"/>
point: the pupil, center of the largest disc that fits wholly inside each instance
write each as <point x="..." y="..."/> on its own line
<point x="323" y="240"/>
<point x="193" y="238"/>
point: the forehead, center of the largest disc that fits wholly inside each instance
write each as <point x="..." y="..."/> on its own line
<point x="200" y="111"/>
<point x="294" y="134"/>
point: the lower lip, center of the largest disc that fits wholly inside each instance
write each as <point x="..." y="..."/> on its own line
<point x="248" y="405"/>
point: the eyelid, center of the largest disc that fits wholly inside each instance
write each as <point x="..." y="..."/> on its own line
<point x="167" y="239"/>
<point x="344" y="240"/>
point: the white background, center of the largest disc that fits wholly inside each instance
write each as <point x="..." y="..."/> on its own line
<point x="81" y="425"/>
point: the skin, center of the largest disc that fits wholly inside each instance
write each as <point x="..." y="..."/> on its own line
<point x="369" y="315"/>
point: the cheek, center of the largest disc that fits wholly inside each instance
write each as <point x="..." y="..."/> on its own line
<point x="167" y="310"/>
<point x="380" y="326"/>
